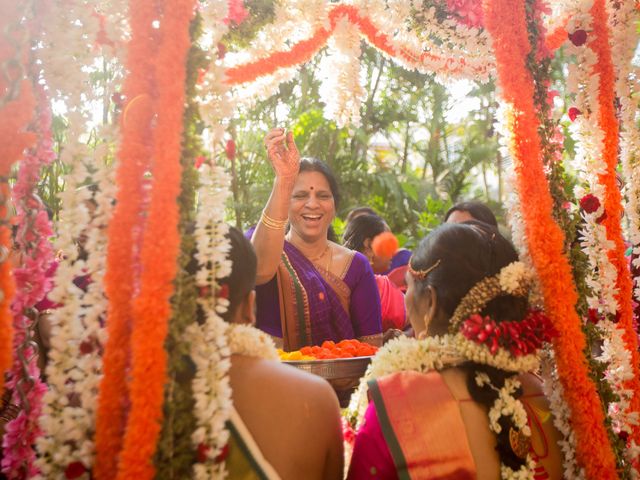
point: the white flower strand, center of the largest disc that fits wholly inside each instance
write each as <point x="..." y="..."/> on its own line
<point x="554" y="392"/>
<point x="341" y="90"/>
<point x="623" y="18"/>
<point x="209" y="347"/>
<point x="69" y="415"/>
<point x="602" y="274"/>
<point x="213" y="96"/>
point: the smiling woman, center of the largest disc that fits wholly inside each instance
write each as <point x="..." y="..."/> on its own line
<point x="310" y="289"/>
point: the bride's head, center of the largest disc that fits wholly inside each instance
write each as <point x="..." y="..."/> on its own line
<point x="447" y="264"/>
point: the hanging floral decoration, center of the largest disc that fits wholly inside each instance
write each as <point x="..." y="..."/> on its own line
<point x="32" y="283"/>
<point x="120" y="279"/>
<point x="592" y="81"/>
<point x="209" y="346"/>
<point x="506" y="22"/>
<point x="160" y="247"/>
<point x="16" y="108"/>
<point x="75" y="358"/>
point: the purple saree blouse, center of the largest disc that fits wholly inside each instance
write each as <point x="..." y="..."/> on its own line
<point x="319" y="305"/>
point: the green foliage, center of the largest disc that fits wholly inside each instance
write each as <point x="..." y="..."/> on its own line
<point x="400" y="109"/>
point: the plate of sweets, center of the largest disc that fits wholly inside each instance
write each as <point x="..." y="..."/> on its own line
<point x="342" y="364"/>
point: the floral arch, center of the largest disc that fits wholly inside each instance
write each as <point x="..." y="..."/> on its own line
<point x="145" y="159"/>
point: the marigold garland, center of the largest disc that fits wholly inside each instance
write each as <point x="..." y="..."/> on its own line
<point x="175" y="456"/>
<point x="506" y="22"/>
<point x="304" y="50"/>
<point x="612" y="197"/>
<point x="160" y="248"/>
<point x="135" y="151"/>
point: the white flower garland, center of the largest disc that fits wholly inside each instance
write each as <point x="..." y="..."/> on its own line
<point x="554" y="392"/>
<point x="213" y="94"/>
<point x="209" y="347"/>
<point x="602" y="274"/>
<point x="437" y="353"/>
<point x="464" y="52"/>
<point x="622" y="20"/>
<point x="75" y="364"/>
<point x="341" y="90"/>
<point x="251" y="342"/>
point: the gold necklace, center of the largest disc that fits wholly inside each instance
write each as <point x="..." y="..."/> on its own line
<point x="324" y="252"/>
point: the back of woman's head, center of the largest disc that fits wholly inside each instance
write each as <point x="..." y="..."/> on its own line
<point x="478" y="210"/>
<point x="465" y="253"/>
<point x="361" y="228"/>
<point x="242" y="278"/>
<point x="241" y="281"/>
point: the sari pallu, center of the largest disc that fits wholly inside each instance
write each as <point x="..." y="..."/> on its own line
<point x="306" y="305"/>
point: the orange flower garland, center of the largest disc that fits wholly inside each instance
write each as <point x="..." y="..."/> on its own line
<point x="15" y="114"/>
<point x="612" y="197"/>
<point x="160" y="249"/>
<point x="135" y="152"/>
<point x="303" y="51"/>
<point x="506" y="22"/>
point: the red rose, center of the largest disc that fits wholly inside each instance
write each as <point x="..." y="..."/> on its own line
<point x="202" y="452"/>
<point x="74" y="470"/>
<point x="86" y="347"/>
<point x="592" y="316"/>
<point x="222" y="456"/>
<point x="573" y="113"/>
<point x="589" y="203"/>
<point x="222" y="51"/>
<point x="199" y="161"/>
<point x="578" y="38"/>
<point x="230" y="149"/>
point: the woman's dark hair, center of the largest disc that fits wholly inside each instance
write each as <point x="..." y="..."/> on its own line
<point x="356" y="212"/>
<point x="467" y="253"/>
<point x="361" y="228"/>
<point x="244" y="263"/>
<point x="242" y="278"/>
<point x="312" y="164"/>
<point x="477" y="210"/>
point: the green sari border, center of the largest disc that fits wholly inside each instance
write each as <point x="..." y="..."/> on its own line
<point x="387" y="431"/>
<point x="297" y="286"/>
<point x="246" y="451"/>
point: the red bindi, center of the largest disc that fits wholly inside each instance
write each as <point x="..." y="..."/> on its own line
<point x="311" y="188"/>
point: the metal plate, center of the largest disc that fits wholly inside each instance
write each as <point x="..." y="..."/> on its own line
<point x="333" y="368"/>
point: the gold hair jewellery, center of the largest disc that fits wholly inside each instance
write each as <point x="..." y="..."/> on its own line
<point x="421" y="274"/>
<point x="272" y="223"/>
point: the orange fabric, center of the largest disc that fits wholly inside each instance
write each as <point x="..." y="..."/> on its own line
<point x="427" y="425"/>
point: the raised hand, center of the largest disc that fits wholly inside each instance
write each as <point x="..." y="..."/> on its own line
<point x="283" y="153"/>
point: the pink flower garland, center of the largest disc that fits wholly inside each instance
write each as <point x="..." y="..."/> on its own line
<point x="32" y="283"/>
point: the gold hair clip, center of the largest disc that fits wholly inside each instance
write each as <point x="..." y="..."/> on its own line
<point x="422" y="274"/>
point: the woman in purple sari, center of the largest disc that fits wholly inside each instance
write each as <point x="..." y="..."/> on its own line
<point x="310" y="289"/>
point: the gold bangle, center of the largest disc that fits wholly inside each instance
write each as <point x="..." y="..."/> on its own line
<point x="271" y="223"/>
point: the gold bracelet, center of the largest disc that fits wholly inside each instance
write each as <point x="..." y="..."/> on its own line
<point x="272" y="223"/>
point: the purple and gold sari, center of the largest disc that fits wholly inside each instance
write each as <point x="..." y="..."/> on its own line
<point x="306" y="305"/>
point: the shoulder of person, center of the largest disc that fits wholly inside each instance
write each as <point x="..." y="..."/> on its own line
<point x="340" y="251"/>
<point x="293" y="383"/>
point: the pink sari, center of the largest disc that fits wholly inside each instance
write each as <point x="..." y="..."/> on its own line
<point x="412" y="436"/>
